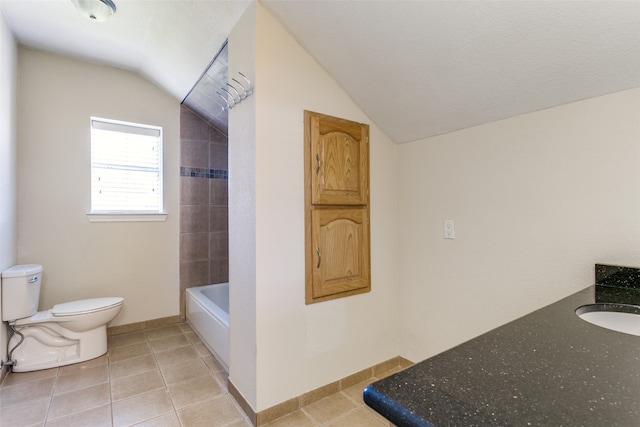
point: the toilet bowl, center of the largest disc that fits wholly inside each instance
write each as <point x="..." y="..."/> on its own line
<point x="68" y="333"/>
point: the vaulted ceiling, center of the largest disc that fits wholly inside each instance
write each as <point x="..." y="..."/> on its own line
<point x="417" y="68"/>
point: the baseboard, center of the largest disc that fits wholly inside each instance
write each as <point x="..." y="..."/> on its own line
<point x="138" y="326"/>
<point x="248" y="410"/>
<point x="292" y="405"/>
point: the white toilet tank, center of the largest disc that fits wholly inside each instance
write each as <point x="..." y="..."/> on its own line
<point x="20" y="291"/>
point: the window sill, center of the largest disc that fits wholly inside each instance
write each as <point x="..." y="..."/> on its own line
<point x="126" y="217"/>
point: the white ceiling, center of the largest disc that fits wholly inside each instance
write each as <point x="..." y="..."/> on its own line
<point x="417" y="68"/>
<point x="170" y="42"/>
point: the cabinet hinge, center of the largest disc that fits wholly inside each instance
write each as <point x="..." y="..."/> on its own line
<point x="366" y="139"/>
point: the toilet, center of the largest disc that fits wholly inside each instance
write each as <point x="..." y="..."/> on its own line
<point x="68" y="333"/>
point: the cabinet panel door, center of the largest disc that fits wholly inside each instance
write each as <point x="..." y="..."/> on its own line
<point x="339" y="157"/>
<point x="340" y="252"/>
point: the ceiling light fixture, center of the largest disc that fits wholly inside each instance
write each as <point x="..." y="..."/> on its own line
<point x="95" y="10"/>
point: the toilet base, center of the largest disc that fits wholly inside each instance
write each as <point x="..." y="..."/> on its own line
<point x="49" y="346"/>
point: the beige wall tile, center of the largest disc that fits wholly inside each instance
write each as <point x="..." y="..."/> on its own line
<point x="194" y="190"/>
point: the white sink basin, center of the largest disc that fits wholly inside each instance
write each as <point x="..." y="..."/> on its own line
<point x="618" y="317"/>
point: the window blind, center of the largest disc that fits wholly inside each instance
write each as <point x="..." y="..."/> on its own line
<point x="126" y="167"/>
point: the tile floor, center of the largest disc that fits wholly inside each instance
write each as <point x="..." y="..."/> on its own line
<point x="155" y="378"/>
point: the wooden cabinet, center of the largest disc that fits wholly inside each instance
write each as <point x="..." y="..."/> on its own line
<point x="336" y="207"/>
<point x="339" y="159"/>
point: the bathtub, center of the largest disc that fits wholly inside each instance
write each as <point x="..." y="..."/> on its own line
<point x="208" y="315"/>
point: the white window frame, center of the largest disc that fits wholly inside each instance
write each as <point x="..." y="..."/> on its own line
<point x="119" y="215"/>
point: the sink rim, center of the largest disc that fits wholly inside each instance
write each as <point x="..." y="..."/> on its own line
<point x="608" y="306"/>
<point x="622" y="318"/>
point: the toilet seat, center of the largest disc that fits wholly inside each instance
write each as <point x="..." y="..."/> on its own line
<point x="85" y="306"/>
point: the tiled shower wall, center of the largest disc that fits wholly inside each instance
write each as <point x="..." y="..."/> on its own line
<point x="204" y="236"/>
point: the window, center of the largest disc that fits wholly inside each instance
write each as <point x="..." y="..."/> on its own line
<point x="126" y="168"/>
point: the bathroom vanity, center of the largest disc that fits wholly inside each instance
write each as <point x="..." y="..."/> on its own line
<point x="547" y="368"/>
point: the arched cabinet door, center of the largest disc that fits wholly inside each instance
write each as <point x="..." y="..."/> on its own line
<point x="339" y="161"/>
<point x="337" y="254"/>
<point x="341" y="252"/>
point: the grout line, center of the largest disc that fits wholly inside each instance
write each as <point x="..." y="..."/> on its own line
<point x="110" y="383"/>
<point x="53" y="392"/>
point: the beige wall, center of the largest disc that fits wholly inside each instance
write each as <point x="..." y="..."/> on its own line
<point x="136" y="260"/>
<point x="307" y="345"/>
<point x="537" y="200"/>
<point x="8" y="159"/>
<point x="242" y="216"/>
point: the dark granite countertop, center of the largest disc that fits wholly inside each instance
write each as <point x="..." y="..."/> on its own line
<point x="547" y="368"/>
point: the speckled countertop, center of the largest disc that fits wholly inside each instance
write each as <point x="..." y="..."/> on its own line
<point x="548" y="368"/>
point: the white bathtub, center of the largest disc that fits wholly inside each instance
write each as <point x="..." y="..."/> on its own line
<point x="208" y="315"/>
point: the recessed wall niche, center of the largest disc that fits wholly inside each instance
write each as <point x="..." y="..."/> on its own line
<point x="204" y="235"/>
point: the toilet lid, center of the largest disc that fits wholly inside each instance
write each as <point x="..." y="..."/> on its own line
<point x="85" y="306"/>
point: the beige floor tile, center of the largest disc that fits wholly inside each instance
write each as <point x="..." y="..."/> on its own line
<point x="223" y="379"/>
<point x="240" y="423"/>
<point x="26" y="391"/>
<point x="375" y="415"/>
<point x="122" y="388"/>
<point x="79" y="400"/>
<point x="219" y="411"/>
<point x="164" y="344"/>
<point x="14" y="378"/>
<point x="83" y="366"/>
<point x="134" y="350"/>
<point x="202" y="349"/>
<point x="194" y="390"/>
<point x="296" y="419"/>
<point x="81" y="378"/>
<point x="96" y="417"/>
<point x="126" y="339"/>
<point x="193" y="338"/>
<point x="355" y="391"/>
<point x="132" y="366"/>
<point x="25" y="413"/>
<point x="185" y="327"/>
<point x="330" y="407"/>
<point x="167" y="420"/>
<point x="213" y="363"/>
<point x="181" y="372"/>
<point x="141" y="407"/>
<point x="176" y="355"/>
<point x="357" y="418"/>
<point x="163" y="332"/>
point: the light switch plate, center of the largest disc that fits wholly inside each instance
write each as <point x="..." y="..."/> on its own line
<point x="449" y="229"/>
